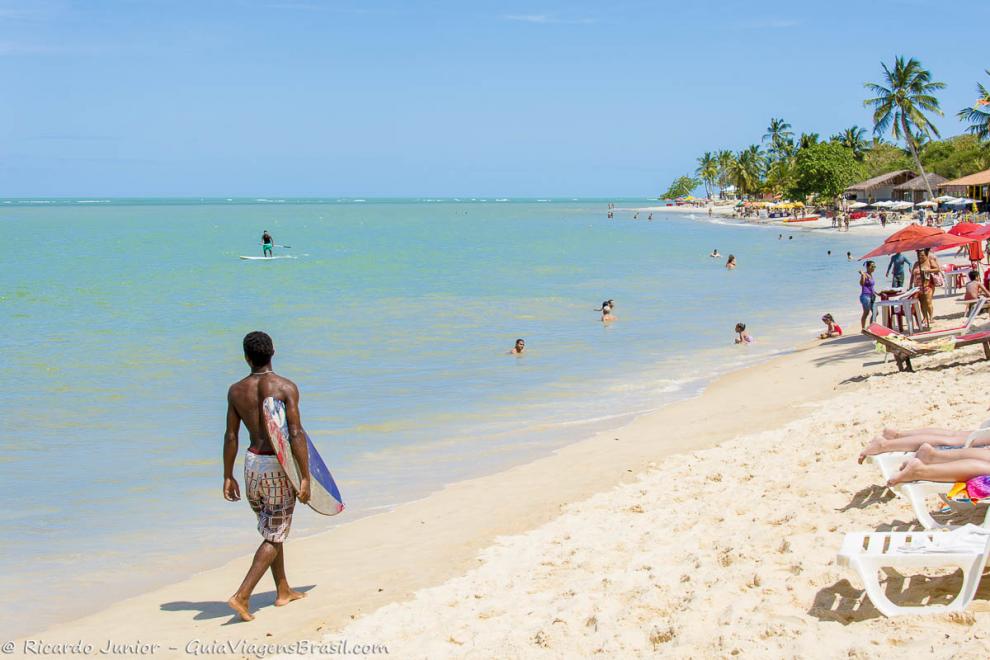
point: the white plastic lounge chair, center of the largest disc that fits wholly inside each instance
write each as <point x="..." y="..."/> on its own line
<point x="918" y="492"/>
<point x="869" y="552"/>
<point x="968" y="320"/>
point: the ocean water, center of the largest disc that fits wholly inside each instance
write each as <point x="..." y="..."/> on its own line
<point x="122" y="323"/>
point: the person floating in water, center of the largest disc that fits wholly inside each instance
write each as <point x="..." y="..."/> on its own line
<point x="269" y="491"/>
<point x="715" y="254"/>
<point x="650" y="217"/>
<point x="849" y="256"/>
<point x="606" y="310"/>
<point x="266" y="244"/>
<point x="730" y="263"/>
<point x="742" y="337"/>
<point x="519" y="348"/>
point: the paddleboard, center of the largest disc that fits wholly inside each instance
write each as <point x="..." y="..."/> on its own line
<point x="281" y="256"/>
<point x="324" y="495"/>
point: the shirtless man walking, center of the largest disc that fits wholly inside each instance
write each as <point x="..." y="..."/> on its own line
<point x="269" y="491"/>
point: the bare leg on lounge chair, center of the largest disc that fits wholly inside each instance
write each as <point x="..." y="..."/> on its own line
<point x="881" y="445"/>
<point x="894" y="433"/>
<point x="930" y="455"/>
<point x="963" y="470"/>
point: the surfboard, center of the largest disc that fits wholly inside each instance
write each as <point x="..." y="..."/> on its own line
<point x="324" y="495"/>
<point x="281" y="256"/>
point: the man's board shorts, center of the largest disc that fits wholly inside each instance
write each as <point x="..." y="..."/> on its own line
<point x="270" y="495"/>
<point x="267" y="247"/>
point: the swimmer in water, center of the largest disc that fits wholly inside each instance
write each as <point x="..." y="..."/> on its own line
<point x="606" y="310"/>
<point x="715" y="254"/>
<point x="518" y="348"/>
<point x="730" y="263"/>
<point x="742" y="337"/>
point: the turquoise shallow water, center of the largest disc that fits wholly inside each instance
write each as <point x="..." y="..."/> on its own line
<point x="122" y="329"/>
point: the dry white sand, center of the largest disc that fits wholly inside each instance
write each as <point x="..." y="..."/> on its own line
<point x="716" y="553"/>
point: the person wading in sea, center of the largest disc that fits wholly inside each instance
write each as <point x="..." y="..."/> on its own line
<point x="269" y="490"/>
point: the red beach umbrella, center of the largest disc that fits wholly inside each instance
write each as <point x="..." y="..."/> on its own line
<point x="975" y="233"/>
<point x="916" y="237"/>
<point x="971" y="230"/>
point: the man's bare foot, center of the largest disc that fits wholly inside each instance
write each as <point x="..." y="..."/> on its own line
<point x="241" y="607"/>
<point x="289" y="597"/>
<point x="908" y="472"/>
<point x="872" y="448"/>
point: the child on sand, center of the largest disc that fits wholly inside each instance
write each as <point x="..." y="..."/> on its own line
<point x="832" y="328"/>
<point x="742" y="337"/>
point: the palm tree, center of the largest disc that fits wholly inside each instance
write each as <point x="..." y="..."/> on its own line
<point x="780" y="175"/>
<point x="779" y="135"/>
<point x="808" y="140"/>
<point x="747" y="170"/>
<point x="978" y="116"/>
<point x="725" y="159"/>
<point x="854" y="139"/>
<point x="900" y="103"/>
<point x="708" y="171"/>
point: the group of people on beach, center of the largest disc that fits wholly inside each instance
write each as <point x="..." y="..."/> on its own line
<point x="926" y="276"/>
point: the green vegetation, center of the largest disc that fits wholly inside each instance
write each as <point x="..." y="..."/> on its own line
<point x="957" y="156"/>
<point x="824" y="169"/>
<point x="884" y="157"/>
<point x="902" y="102"/>
<point x="681" y="187"/>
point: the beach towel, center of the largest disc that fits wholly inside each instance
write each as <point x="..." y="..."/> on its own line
<point x="976" y="489"/>
<point x="968" y="538"/>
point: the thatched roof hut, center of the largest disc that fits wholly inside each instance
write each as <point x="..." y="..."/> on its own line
<point x="880" y="187"/>
<point x="915" y="189"/>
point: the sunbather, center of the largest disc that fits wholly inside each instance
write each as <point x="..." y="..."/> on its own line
<point x="972" y="470"/>
<point x="914" y="440"/>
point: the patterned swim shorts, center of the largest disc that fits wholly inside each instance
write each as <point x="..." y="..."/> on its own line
<point x="270" y="495"/>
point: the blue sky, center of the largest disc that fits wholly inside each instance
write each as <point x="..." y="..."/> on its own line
<point x="306" y="97"/>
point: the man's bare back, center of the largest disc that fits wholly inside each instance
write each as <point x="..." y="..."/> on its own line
<point x="244" y="401"/>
